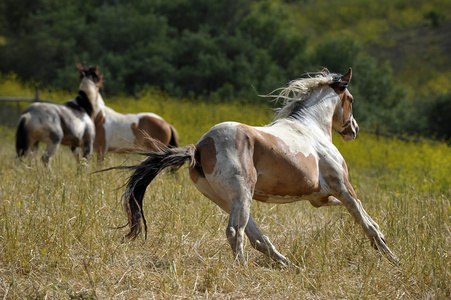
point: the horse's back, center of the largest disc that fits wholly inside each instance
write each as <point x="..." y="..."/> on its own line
<point x="55" y="123"/>
<point x="117" y="130"/>
<point x="125" y="132"/>
<point x="154" y="126"/>
<point x="42" y="123"/>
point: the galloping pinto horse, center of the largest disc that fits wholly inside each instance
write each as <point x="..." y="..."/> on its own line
<point x="124" y="133"/>
<point x="70" y="124"/>
<point x="291" y="159"/>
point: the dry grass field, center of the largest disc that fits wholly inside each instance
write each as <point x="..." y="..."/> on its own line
<point x="59" y="236"/>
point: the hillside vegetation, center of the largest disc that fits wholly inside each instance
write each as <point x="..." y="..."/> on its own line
<point x="220" y="51"/>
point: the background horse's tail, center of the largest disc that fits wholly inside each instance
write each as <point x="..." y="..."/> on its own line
<point x="143" y="175"/>
<point x="22" y="141"/>
<point x="174" y="142"/>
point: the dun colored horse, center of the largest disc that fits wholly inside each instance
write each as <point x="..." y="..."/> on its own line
<point x="122" y="133"/>
<point x="291" y="159"/>
<point x="70" y="124"/>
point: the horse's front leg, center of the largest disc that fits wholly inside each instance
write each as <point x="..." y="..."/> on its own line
<point x="49" y="152"/>
<point x="76" y="153"/>
<point x="87" y="144"/>
<point x="369" y="226"/>
<point x="332" y="201"/>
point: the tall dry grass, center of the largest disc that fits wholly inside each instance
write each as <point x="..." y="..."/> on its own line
<point x="59" y="238"/>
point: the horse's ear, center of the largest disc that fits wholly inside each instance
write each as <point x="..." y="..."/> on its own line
<point x="347" y="76"/>
<point x="79" y="67"/>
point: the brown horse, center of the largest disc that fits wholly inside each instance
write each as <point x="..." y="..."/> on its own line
<point x="70" y="124"/>
<point x="291" y="159"/>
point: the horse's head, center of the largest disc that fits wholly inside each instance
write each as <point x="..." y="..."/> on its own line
<point x="343" y="122"/>
<point x="91" y="73"/>
<point x="90" y="83"/>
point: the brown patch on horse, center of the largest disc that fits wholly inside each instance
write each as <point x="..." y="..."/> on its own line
<point x="207" y="152"/>
<point x="322" y="201"/>
<point x="205" y="159"/>
<point x="194" y="174"/>
<point x="278" y="171"/>
<point x="346" y="181"/>
<point x="150" y="127"/>
<point x="261" y="198"/>
<point x="346" y="102"/>
<point x="100" y="138"/>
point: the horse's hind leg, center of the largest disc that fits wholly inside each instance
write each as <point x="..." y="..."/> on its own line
<point x="239" y="216"/>
<point x="48" y="153"/>
<point x="53" y="140"/>
<point x="260" y="242"/>
<point x="33" y="149"/>
<point x="87" y="144"/>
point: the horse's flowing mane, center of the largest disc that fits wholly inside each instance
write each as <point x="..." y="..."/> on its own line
<point x="300" y="90"/>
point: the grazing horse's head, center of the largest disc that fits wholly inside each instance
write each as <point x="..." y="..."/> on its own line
<point x="343" y="122"/>
<point x="91" y="73"/>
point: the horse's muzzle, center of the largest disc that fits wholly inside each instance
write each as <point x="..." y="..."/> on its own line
<point x="350" y="130"/>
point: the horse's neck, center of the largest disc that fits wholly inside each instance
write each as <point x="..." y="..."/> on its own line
<point x="317" y="110"/>
<point x="92" y="91"/>
<point x="100" y="105"/>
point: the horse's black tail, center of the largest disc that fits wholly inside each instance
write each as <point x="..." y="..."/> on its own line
<point x="143" y="175"/>
<point x="22" y="141"/>
<point x="174" y="142"/>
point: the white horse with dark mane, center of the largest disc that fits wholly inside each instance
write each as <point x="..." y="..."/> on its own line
<point x="291" y="159"/>
<point x="70" y="124"/>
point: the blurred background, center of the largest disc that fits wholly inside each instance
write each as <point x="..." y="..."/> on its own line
<point x="234" y="51"/>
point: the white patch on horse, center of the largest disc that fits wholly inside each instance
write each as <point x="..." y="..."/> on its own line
<point x="128" y="132"/>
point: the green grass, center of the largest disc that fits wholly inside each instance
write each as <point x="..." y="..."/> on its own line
<point x="59" y="238"/>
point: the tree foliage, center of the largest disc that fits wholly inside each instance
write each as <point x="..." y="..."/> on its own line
<point x="215" y="50"/>
<point x="437" y="115"/>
